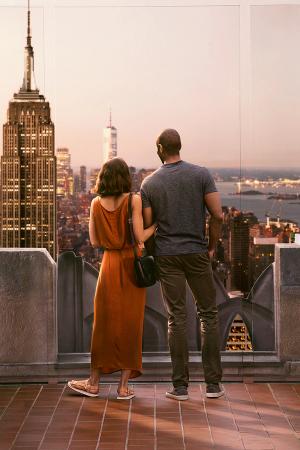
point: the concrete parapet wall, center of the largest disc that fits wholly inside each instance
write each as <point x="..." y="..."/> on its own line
<point x="28" y="331"/>
<point x="28" y="325"/>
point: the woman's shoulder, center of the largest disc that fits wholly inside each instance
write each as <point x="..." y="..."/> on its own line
<point x="94" y="201"/>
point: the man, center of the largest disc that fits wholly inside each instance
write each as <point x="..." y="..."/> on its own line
<point x="175" y="197"/>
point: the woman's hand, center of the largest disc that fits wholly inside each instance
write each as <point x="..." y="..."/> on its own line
<point x="154" y="227"/>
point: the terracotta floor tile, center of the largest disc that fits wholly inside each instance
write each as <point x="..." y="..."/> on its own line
<point x="142" y="441"/>
<point x="199" y="444"/>
<point x="53" y="446"/>
<point x="167" y="445"/>
<point x="111" y="446"/>
<point x="141" y="446"/>
<point x="256" y="442"/>
<point x="84" y="445"/>
<point x="138" y="435"/>
<point x="60" y="427"/>
<point x="9" y="427"/>
<point x="27" y="447"/>
<point x="42" y="411"/>
<point x="6" y="439"/>
<point x="29" y="438"/>
<point x="86" y="431"/>
<point x="285" y="443"/>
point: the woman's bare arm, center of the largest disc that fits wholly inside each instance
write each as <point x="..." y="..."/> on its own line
<point x="92" y="228"/>
<point x="141" y="235"/>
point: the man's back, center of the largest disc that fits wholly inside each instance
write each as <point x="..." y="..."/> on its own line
<point x="175" y="192"/>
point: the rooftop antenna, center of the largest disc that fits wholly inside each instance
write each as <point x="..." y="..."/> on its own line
<point x="28" y="25"/>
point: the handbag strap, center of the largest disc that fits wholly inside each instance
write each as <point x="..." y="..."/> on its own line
<point x="130" y="225"/>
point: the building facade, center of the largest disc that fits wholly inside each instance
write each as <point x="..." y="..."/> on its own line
<point x="93" y="178"/>
<point x="82" y="179"/>
<point x="239" y="250"/>
<point x="76" y="183"/>
<point x="28" y="167"/>
<point x="261" y="255"/>
<point x="64" y="173"/>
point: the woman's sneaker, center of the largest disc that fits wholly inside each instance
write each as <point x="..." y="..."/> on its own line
<point x="213" y="390"/>
<point x="179" y="393"/>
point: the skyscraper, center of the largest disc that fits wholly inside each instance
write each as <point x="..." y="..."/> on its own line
<point x="261" y="255"/>
<point x="76" y="187"/>
<point x="64" y="172"/>
<point x="239" y="251"/>
<point x="93" y="178"/>
<point x="82" y="178"/>
<point x="28" y="166"/>
<point x="109" y="141"/>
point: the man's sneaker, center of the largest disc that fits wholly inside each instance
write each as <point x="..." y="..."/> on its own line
<point x="179" y="393"/>
<point x="213" y="390"/>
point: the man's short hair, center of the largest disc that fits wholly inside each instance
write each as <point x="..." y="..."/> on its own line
<point x="170" y="141"/>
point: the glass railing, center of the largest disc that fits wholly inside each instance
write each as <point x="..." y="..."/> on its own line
<point x="226" y="76"/>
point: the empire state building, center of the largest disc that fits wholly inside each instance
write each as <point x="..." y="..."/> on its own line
<point x="28" y="167"/>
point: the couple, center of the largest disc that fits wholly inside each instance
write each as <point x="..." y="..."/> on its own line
<point x="172" y="205"/>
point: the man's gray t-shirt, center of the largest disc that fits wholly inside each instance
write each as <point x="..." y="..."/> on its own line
<point x="175" y="192"/>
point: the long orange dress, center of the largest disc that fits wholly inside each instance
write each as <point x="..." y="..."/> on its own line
<point x="118" y="303"/>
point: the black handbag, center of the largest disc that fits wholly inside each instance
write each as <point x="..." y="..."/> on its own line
<point x="144" y="266"/>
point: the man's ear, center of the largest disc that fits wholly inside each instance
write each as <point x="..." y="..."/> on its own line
<point x="160" y="152"/>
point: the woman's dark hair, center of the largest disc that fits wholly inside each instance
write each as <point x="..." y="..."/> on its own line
<point x="114" y="178"/>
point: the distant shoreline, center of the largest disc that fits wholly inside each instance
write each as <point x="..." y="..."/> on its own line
<point x="250" y="192"/>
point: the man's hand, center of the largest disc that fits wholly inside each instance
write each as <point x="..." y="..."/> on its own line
<point x="213" y="204"/>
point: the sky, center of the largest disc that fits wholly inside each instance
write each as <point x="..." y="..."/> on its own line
<point x="233" y="97"/>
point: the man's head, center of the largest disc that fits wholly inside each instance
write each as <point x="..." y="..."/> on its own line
<point x="168" y="144"/>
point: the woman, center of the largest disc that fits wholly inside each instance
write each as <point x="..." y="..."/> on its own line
<point x="118" y="303"/>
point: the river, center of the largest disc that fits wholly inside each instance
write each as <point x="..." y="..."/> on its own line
<point x="259" y="204"/>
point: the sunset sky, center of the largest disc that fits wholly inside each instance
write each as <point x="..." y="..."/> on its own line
<point x="162" y="67"/>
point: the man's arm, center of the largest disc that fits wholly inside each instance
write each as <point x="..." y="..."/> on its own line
<point x="147" y="209"/>
<point x="141" y="232"/>
<point x="147" y="217"/>
<point x="213" y="205"/>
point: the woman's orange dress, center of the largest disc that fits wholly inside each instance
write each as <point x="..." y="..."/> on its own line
<point x="118" y="303"/>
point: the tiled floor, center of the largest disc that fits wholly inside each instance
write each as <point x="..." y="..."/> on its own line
<point x="51" y="417"/>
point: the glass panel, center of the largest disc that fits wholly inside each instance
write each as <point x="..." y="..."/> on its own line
<point x="127" y="73"/>
<point x="271" y="182"/>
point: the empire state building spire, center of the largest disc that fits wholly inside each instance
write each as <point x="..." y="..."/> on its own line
<point x="29" y="78"/>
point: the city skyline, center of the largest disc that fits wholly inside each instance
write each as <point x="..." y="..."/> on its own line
<point x="186" y="78"/>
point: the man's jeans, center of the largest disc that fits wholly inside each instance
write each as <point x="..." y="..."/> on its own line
<point x="174" y="272"/>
